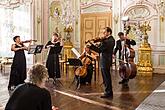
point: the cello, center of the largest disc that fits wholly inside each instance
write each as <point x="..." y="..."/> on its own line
<point x="82" y="70"/>
<point x="86" y="59"/>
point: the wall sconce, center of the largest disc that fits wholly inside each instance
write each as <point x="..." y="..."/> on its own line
<point x="162" y="18"/>
<point x="116" y="18"/>
<point x="38" y="19"/>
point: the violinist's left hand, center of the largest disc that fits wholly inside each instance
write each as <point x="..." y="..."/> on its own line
<point x="54" y="108"/>
<point x="23" y="48"/>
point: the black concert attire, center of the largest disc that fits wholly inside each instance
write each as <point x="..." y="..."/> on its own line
<point x="106" y="51"/>
<point x="18" y="68"/>
<point x="28" y="96"/>
<point x="52" y="63"/>
<point x="88" y="77"/>
<point x="119" y="47"/>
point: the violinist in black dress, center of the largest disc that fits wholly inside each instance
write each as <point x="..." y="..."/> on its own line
<point x="52" y="62"/>
<point x="18" y="67"/>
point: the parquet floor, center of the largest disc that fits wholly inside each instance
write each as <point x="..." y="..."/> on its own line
<point x="66" y="97"/>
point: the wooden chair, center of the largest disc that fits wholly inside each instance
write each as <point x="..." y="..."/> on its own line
<point x="5" y="62"/>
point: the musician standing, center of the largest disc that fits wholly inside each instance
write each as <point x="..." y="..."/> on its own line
<point x="18" y="67"/>
<point x="123" y="41"/>
<point x="106" y="50"/>
<point x="52" y="62"/>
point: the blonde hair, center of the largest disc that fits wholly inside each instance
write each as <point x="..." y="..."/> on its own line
<point x="37" y="73"/>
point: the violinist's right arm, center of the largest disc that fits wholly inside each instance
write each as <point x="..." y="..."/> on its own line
<point x="14" y="49"/>
<point x="48" y="45"/>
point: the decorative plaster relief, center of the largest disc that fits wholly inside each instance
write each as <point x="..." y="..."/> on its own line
<point x="96" y="7"/>
<point x="138" y="12"/>
<point x="141" y="10"/>
<point x="55" y="9"/>
<point x="13" y="3"/>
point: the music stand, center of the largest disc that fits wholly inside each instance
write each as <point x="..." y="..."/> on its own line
<point x="75" y="62"/>
<point x="35" y="49"/>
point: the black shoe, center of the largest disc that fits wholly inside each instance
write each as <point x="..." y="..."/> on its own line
<point x="121" y="82"/>
<point x="107" y="96"/>
<point x="124" y="81"/>
<point x="125" y="85"/>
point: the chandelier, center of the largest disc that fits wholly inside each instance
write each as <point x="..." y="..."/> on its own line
<point x="66" y="13"/>
<point x="13" y="3"/>
<point x="67" y="16"/>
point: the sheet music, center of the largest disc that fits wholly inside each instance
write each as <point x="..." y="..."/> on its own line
<point x="76" y="52"/>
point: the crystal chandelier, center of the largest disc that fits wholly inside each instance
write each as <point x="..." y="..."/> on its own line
<point x="67" y="17"/>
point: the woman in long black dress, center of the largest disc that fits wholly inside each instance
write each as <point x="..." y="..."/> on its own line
<point x="18" y="67"/>
<point x="52" y="62"/>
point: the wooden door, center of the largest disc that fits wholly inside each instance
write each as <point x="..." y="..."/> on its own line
<point x="92" y="25"/>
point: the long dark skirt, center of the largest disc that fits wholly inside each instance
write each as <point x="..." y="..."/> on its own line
<point x="53" y="66"/>
<point x="18" y="70"/>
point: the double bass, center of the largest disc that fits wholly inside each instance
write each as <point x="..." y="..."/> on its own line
<point x="127" y="67"/>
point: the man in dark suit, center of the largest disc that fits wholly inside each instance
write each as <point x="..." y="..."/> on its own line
<point x="123" y="41"/>
<point x="106" y="50"/>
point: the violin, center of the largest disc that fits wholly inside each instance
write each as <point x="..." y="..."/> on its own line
<point x="26" y="41"/>
<point x="97" y="39"/>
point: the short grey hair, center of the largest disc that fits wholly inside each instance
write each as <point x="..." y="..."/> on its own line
<point x="37" y="73"/>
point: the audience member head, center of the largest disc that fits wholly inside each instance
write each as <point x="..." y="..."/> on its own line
<point x="37" y="75"/>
